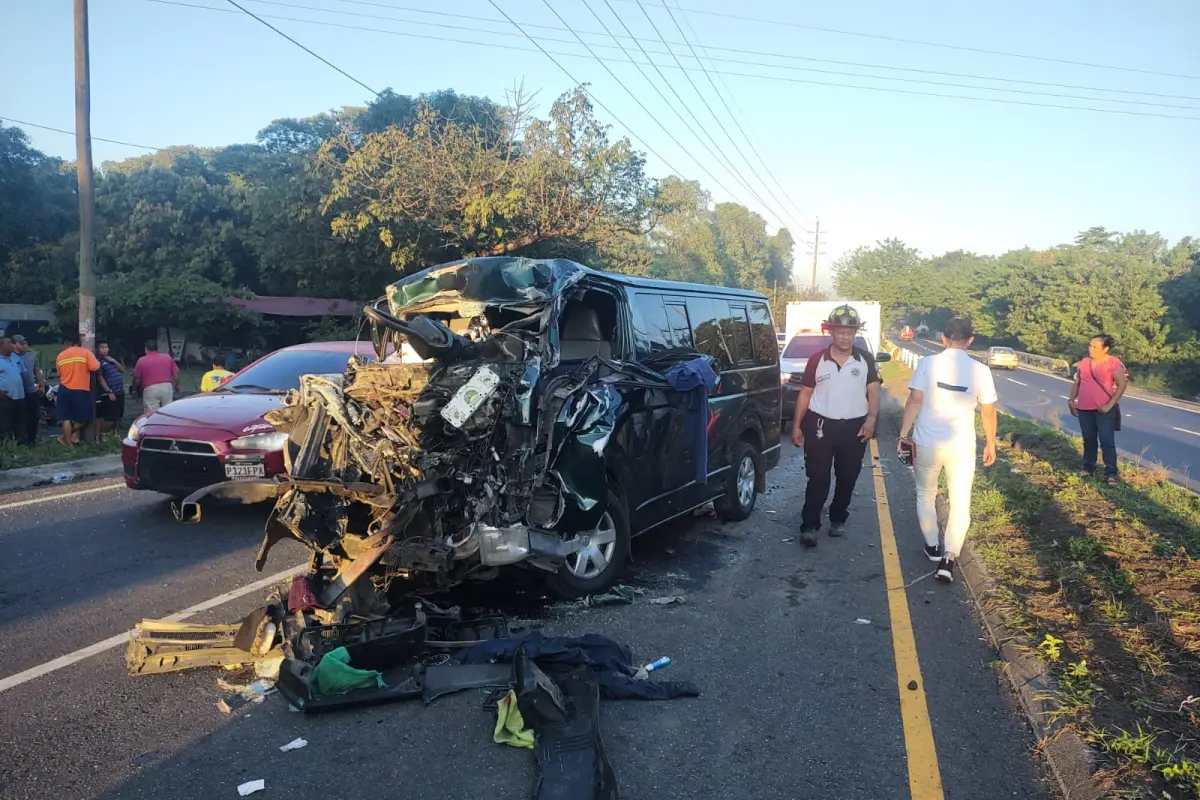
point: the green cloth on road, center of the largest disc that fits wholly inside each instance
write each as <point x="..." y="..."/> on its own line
<point x="334" y="675"/>
<point x="510" y="726"/>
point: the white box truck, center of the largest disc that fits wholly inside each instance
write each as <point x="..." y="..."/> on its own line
<point x="806" y="318"/>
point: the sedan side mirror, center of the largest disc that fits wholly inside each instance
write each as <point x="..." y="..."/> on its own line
<point x="882" y="357"/>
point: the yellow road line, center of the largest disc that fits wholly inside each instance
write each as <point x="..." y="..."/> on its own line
<point x="924" y="776"/>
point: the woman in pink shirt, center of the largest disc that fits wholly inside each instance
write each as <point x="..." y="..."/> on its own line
<point x="1100" y="381"/>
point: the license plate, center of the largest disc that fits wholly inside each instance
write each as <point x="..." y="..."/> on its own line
<point x="245" y="470"/>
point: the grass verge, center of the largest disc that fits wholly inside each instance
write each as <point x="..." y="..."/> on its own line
<point x="1104" y="585"/>
<point x="49" y="451"/>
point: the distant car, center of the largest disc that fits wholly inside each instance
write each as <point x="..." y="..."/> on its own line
<point x="794" y="359"/>
<point x="221" y="435"/>
<point x="1001" y="358"/>
<point x="781" y="340"/>
<point x="906" y="333"/>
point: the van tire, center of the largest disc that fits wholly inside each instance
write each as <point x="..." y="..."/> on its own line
<point x="568" y="586"/>
<point x="736" y="504"/>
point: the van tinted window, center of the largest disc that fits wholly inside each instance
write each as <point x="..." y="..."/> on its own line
<point x="706" y="315"/>
<point x="737" y="333"/>
<point x="762" y="332"/>
<point x="651" y="331"/>
<point x="681" y="330"/>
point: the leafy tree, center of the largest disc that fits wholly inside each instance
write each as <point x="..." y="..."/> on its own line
<point x="887" y="273"/>
<point x="446" y="190"/>
<point x="742" y="248"/>
<point x="38" y="206"/>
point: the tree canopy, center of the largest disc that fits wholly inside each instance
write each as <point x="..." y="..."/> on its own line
<point x="342" y="203"/>
<point x="1134" y="286"/>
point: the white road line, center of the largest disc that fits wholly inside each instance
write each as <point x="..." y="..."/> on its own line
<point x="1185" y="430"/>
<point x="1018" y="383"/>
<point x="65" y="495"/>
<point x="1140" y="397"/>
<point x="112" y="641"/>
<point x="1064" y="397"/>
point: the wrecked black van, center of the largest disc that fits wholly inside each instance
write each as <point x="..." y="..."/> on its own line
<point x="532" y="413"/>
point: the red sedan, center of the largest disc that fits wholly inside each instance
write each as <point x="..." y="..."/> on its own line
<point x="221" y="435"/>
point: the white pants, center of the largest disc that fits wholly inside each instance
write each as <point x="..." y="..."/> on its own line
<point x="959" y="463"/>
<point x="156" y="396"/>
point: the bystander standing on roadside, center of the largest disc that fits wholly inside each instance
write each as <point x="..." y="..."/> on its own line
<point x="73" y="402"/>
<point x="35" y="387"/>
<point x="215" y="376"/>
<point x="835" y="417"/>
<point x="110" y="408"/>
<point x="944" y="390"/>
<point x="12" y="393"/>
<point x="1100" y="382"/>
<point x="157" y="376"/>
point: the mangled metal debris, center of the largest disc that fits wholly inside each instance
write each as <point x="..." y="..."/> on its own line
<point x="488" y="452"/>
<point x="156" y="647"/>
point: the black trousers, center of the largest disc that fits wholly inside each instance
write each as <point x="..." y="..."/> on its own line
<point x="12" y="419"/>
<point x="33" y="404"/>
<point x="830" y="445"/>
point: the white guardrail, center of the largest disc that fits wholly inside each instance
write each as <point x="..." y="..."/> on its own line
<point x="1052" y="366"/>
<point x="906" y="357"/>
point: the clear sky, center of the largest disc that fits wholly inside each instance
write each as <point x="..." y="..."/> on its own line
<point x="938" y="173"/>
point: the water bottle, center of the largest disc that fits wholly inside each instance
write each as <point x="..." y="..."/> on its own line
<point x="665" y="661"/>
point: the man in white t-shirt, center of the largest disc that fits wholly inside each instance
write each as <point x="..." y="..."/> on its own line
<point x="943" y="393"/>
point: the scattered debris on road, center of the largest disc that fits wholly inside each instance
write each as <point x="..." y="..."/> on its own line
<point x="677" y="599"/>
<point x="294" y="744"/>
<point x="250" y="787"/>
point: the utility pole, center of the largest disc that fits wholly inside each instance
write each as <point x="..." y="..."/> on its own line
<point x="816" y="251"/>
<point x="83" y="168"/>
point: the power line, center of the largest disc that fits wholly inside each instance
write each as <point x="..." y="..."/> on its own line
<point x="700" y="65"/>
<point x="596" y="100"/>
<point x="964" y="48"/>
<point x="641" y="105"/>
<point x="542" y="50"/>
<point x="737" y="108"/>
<point x="72" y="133"/>
<point x="323" y="60"/>
<point x="717" y="155"/>
<point x="719" y="123"/>
<point x="729" y="111"/>
<point x="706" y="48"/>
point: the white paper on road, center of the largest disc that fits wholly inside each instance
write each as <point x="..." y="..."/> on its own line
<point x="250" y="787"/>
<point x="294" y="744"/>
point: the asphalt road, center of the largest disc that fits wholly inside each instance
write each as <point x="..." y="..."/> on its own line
<point x="1154" y="431"/>
<point x="800" y="701"/>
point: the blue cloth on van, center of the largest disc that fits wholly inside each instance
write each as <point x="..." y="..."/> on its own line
<point x="695" y="379"/>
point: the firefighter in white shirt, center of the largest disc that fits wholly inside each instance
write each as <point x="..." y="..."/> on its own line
<point x="835" y="418"/>
<point x="940" y="412"/>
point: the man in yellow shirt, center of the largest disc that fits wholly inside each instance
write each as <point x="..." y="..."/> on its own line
<point x="214" y="377"/>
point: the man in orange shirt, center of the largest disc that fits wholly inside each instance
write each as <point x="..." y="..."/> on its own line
<point x="74" y="400"/>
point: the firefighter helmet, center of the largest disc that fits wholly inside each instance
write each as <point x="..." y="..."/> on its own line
<point x="844" y="316"/>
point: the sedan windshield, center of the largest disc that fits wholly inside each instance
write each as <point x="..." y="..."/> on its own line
<point x="281" y="370"/>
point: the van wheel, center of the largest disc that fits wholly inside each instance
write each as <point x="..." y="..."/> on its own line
<point x="741" y="487"/>
<point x="598" y="565"/>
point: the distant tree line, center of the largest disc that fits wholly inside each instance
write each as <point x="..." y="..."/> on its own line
<point x="343" y="203"/>
<point x="1136" y="286"/>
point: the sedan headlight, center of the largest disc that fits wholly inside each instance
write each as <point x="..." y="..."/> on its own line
<point x="135" y="430"/>
<point x="260" y="441"/>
